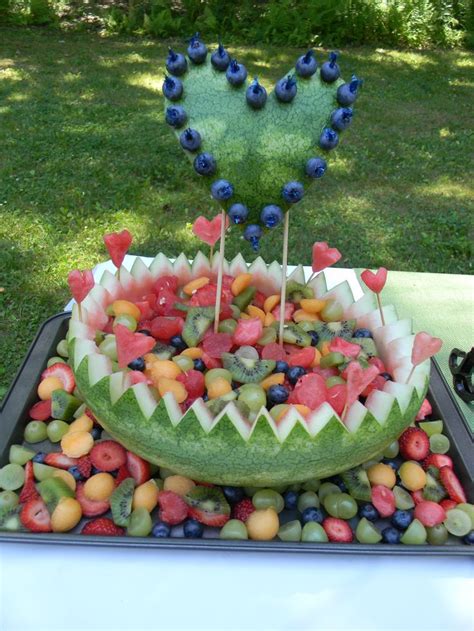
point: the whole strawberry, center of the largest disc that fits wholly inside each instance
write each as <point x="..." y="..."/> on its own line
<point x="103" y="526"/>
<point x="414" y="444"/>
<point x="243" y="509"/>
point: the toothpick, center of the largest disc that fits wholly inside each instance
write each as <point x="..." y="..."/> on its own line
<point x="118" y="274"/>
<point x="211" y="253"/>
<point x="411" y="373"/>
<point x="79" y="308"/>
<point x="379" y="302"/>
<point x="284" y="267"/>
<point x="220" y="273"/>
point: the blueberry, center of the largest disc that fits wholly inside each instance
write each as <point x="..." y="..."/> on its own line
<point x="294" y="373"/>
<point x="160" y="529"/>
<point x="341" y="118"/>
<point x="292" y="192"/>
<point x="176" y="63"/>
<point x="328" y="139"/>
<point x="205" y="164"/>
<point x="137" y="364"/>
<point x="145" y="332"/>
<point x="387" y="376"/>
<point x="222" y="190"/>
<point x="205" y="397"/>
<point x="178" y="343"/>
<point x="316" y="167"/>
<point x="314" y="338"/>
<point x="199" y="365"/>
<point x="391" y="535"/>
<point x="238" y="213"/>
<point x="277" y="394"/>
<point x="235" y="385"/>
<point x="76" y="474"/>
<point x="175" y="116"/>
<point x="233" y="494"/>
<point x="192" y="529"/>
<point x="291" y="500"/>
<point x="172" y="88"/>
<point x="220" y="58"/>
<point x="256" y="95"/>
<point x="281" y="366"/>
<point x="335" y="479"/>
<point x="197" y="51"/>
<point x="286" y="89"/>
<point x="236" y="73"/>
<point x="312" y="514"/>
<point x="96" y="433"/>
<point x="330" y="70"/>
<point x="347" y="93"/>
<point x="95" y="470"/>
<point x="271" y="216"/>
<point x="392" y="463"/>
<point x="39" y="457"/>
<point x="190" y="139"/>
<point x="469" y="538"/>
<point x="362" y="333"/>
<point x="252" y="234"/>
<point x="306" y="64"/>
<point x="369" y="512"/>
<point x="401" y="519"/>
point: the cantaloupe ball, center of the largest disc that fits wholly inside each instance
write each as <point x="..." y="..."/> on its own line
<point x="48" y="386"/>
<point x="382" y="474"/>
<point x="263" y="524"/>
<point x="99" y="487"/>
<point x="178" y="484"/>
<point x="412" y="476"/>
<point x="146" y="496"/>
<point x="66" y="515"/>
<point x="125" y="307"/>
<point x="77" y="444"/>
<point x="82" y="424"/>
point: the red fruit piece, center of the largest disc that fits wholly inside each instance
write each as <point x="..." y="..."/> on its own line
<point x="376" y="361"/>
<point x="84" y="466"/>
<point x="173" y="509"/>
<point x="90" y="508"/>
<point x="310" y="390"/>
<point x="165" y="304"/>
<point x="131" y="345"/>
<point x="384" y="500"/>
<point x="377" y="384"/>
<point x="211" y="362"/>
<point x="166" y="282"/>
<point x="102" y="527"/>
<point x="274" y="351"/>
<point x="414" y="444"/>
<point x="90" y="415"/>
<point x="337" y="396"/>
<point x="303" y="357"/>
<point x="337" y="530"/>
<point x="215" y="344"/>
<point x="227" y="281"/>
<point x="289" y="310"/>
<point x="338" y="345"/>
<point x="146" y="310"/>
<point x="425" y="410"/>
<point x="375" y="282"/>
<point x="135" y="376"/>
<point x="28" y="492"/>
<point x="248" y="332"/>
<point x="448" y="504"/>
<point x="327" y="372"/>
<point x="64" y="373"/>
<point x="80" y="283"/>
<point x="139" y="468"/>
<point x="209" y="519"/>
<point x="417" y="496"/>
<point x="429" y="513"/>
<point x="206" y="296"/>
<point x="193" y="381"/>
<point x="60" y="460"/>
<point x="35" y="516"/>
<point x="108" y="455"/>
<point x="259" y="299"/>
<point x="358" y="379"/>
<point x="438" y="461"/>
<point x="122" y="474"/>
<point x="163" y="327"/>
<point x="41" y="411"/>
<point x="243" y="509"/>
<point x="117" y="244"/>
<point x="452" y="485"/>
<point x="324" y="256"/>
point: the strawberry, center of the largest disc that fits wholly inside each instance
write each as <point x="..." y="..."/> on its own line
<point x="28" y="491"/>
<point x="41" y="411"/>
<point x="173" y="509"/>
<point x="425" y="410"/>
<point x="139" y="468"/>
<point x="90" y="415"/>
<point x="208" y="505"/>
<point x="90" y="508"/>
<point x="104" y="527"/>
<point x="414" y="444"/>
<point x="452" y="485"/>
<point x="243" y="509"/>
<point x="122" y="474"/>
<point x="438" y="461"/>
<point x="448" y="504"/>
<point x="108" y="455"/>
<point x="337" y="530"/>
<point x="209" y="519"/>
<point x="84" y="466"/>
<point x="429" y="513"/>
<point x="60" y="460"/>
<point x="34" y="516"/>
<point x="384" y="500"/>
<point x="64" y="373"/>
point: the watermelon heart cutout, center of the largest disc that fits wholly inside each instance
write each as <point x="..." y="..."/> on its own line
<point x="257" y="151"/>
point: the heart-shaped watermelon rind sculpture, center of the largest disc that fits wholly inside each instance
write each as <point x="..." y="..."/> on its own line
<point x="257" y="151"/>
<point x="228" y="449"/>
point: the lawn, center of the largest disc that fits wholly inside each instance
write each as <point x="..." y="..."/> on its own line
<point x="84" y="150"/>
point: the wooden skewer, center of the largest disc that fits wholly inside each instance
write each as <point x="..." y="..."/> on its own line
<point x="211" y="253"/>
<point x="379" y="302"/>
<point x="411" y="373"/>
<point x="79" y="308"/>
<point x="284" y="266"/>
<point x="220" y="273"/>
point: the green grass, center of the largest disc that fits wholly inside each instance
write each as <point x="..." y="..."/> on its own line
<point x="84" y="150"/>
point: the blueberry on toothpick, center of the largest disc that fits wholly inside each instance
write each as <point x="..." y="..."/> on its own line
<point x="330" y="70"/>
<point x="238" y="213"/>
<point x="348" y="92"/>
<point x="220" y="58"/>
<point x="341" y="118"/>
<point x="190" y="139"/>
<point x="197" y="51"/>
<point x="306" y="65"/>
<point x="176" y="63"/>
<point x="286" y="89"/>
<point x="328" y="139"/>
<point x="236" y="73"/>
<point x="316" y="167"/>
<point x="253" y="234"/>
<point x="271" y="216"/>
<point x="256" y="95"/>
<point x="292" y="192"/>
<point x="172" y="88"/>
<point x="175" y="116"/>
<point x="205" y="164"/>
<point x="222" y="190"/>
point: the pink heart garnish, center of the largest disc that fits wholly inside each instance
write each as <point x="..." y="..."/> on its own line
<point x="209" y="231"/>
<point x="348" y="349"/>
<point x="324" y="256"/>
<point x="375" y="282"/>
<point x="424" y="347"/>
<point x="131" y="345"/>
<point x="80" y="284"/>
<point x="117" y="244"/>
<point x="358" y="379"/>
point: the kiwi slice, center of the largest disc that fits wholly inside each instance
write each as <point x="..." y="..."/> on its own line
<point x="358" y="484"/>
<point x="163" y="351"/>
<point x="329" y="330"/>
<point x="10" y="519"/>
<point x="295" y="292"/>
<point x="433" y="489"/>
<point x="208" y="501"/>
<point x="217" y="405"/>
<point x="198" y="320"/>
<point x="121" y="502"/>
<point x="361" y="359"/>
<point x="52" y="490"/>
<point x="63" y="405"/>
<point x="245" y="370"/>
<point x="245" y="297"/>
<point x="367" y="344"/>
<point x="293" y="334"/>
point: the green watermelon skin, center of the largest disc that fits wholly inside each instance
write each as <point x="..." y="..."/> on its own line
<point x="257" y="151"/>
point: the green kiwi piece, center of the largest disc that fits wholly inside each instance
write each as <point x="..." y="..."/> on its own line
<point x="367" y="344"/>
<point x="245" y="297"/>
<point x="358" y="484"/>
<point x="295" y="292"/>
<point x="198" y="320"/>
<point x="20" y="455"/>
<point x="10" y="519"/>
<point x="217" y="405"/>
<point x="329" y="330"/>
<point x="433" y="489"/>
<point x="121" y="502"/>
<point x="63" y="405"/>
<point x="163" y="351"/>
<point x="209" y="501"/>
<point x="293" y="334"/>
<point x="245" y="370"/>
<point x="52" y="490"/>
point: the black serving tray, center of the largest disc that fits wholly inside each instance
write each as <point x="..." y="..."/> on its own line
<point x="22" y="395"/>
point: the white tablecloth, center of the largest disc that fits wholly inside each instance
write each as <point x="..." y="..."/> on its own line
<point x="61" y="588"/>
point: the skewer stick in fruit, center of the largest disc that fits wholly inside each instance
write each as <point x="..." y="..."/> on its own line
<point x="220" y="271"/>
<point x="284" y="267"/>
<point x="117" y="244"/>
<point x="424" y="347"/>
<point x="376" y="282"/>
<point x="80" y="284"/>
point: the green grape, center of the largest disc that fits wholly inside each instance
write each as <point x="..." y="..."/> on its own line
<point x="227" y="326"/>
<point x="334" y="381"/>
<point x="184" y="362"/>
<point x="268" y="498"/>
<point x="306" y="500"/>
<point x="55" y="360"/>
<point x="20" y="455"/>
<point x="125" y="320"/>
<point x="439" y="444"/>
<point x="366" y="532"/>
<point x="468" y="509"/>
<point x="340" y="505"/>
<point x="326" y="488"/>
<point x="234" y="529"/>
<point x="269" y="335"/>
<point x="99" y="337"/>
<point x="235" y="312"/>
<point x="110" y="310"/>
<point x="457" y="522"/>
<point x="62" y="349"/>
<point x="109" y="347"/>
<point x="332" y="311"/>
<point x="311" y="485"/>
<point x="290" y="531"/>
<point x="247" y="352"/>
<point x="35" y="432"/>
<point x="277" y="410"/>
<point x="56" y="430"/>
<point x="403" y="499"/>
<point x="391" y="451"/>
<point x="431" y="427"/>
<point x="331" y="359"/>
<point x="415" y="534"/>
<point x="43" y="471"/>
<point x="12" y="477"/>
<point x="8" y="499"/>
<point x="216" y="373"/>
<point x="314" y="533"/>
<point x="437" y="535"/>
<point x="253" y="395"/>
<point x="140" y="523"/>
